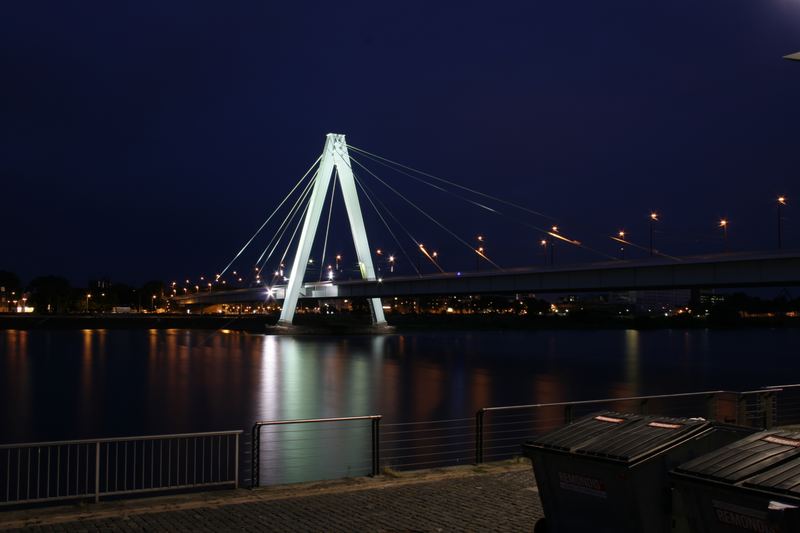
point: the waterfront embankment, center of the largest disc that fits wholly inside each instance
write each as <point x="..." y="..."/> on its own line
<point x="496" y="497"/>
<point x="355" y="324"/>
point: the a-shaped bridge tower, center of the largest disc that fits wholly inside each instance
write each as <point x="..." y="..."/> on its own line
<point x="334" y="158"/>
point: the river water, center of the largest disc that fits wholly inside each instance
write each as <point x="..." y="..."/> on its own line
<point x="94" y="383"/>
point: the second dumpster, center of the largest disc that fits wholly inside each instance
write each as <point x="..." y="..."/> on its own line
<point x="750" y="485"/>
<point x="607" y="472"/>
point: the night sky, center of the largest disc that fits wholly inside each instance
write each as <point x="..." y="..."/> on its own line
<point x="143" y="140"/>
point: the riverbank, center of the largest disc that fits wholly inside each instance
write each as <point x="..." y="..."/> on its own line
<point x="355" y="324"/>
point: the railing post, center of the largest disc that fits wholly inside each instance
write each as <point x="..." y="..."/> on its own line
<point x="643" y="407"/>
<point x="236" y="464"/>
<point x="741" y="410"/>
<point x="568" y="414"/>
<point x="767" y="408"/>
<point x="97" y="472"/>
<point x="479" y="436"/>
<point x="254" y="456"/>
<point x="376" y="445"/>
<point x="711" y="407"/>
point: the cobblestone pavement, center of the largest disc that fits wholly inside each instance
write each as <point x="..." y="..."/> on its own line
<point x="504" y="500"/>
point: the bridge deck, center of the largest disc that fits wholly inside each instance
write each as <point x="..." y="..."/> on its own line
<point x="758" y="269"/>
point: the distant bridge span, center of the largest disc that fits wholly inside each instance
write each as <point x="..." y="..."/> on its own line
<point x="740" y="270"/>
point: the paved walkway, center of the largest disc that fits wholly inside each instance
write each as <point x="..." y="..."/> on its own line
<point x="487" y="498"/>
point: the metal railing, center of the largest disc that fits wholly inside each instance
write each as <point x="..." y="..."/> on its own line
<point x="290" y="452"/>
<point x="495" y="433"/>
<point x="284" y="451"/>
<point x="500" y="430"/>
<point x="427" y="444"/>
<point x="96" y="468"/>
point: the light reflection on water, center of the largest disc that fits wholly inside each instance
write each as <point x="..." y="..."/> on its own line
<point x="93" y="383"/>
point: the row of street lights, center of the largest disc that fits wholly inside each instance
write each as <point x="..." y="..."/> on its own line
<point x="722" y="224"/>
<point x="547" y="245"/>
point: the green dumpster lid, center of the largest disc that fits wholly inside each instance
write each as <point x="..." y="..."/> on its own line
<point x="748" y="457"/>
<point x="583" y="431"/>
<point x="643" y="439"/>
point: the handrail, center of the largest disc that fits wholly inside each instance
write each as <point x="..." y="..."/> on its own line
<point x="120" y="439"/>
<point x="314" y="420"/>
<point x="767" y="409"/>
<point x="605" y="400"/>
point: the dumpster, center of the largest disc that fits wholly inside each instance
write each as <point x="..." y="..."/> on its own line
<point x="607" y="472"/>
<point x="750" y="485"/>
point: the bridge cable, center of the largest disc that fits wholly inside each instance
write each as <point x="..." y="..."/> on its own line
<point x="495" y="211"/>
<point x="412" y="204"/>
<point x="453" y="184"/>
<point x="289" y="216"/>
<point x="400" y="246"/>
<point x="270" y="217"/>
<point x="369" y="192"/>
<point x="328" y="226"/>
<point x="644" y="248"/>
<point x="433" y="185"/>
<point x="285" y="226"/>
<point x="291" y="240"/>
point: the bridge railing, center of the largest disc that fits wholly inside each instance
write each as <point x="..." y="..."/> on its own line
<point x="97" y="468"/>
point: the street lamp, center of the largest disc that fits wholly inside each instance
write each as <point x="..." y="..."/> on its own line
<point x="723" y="223"/>
<point x="621" y="248"/>
<point x="391" y="263"/>
<point x="338" y="258"/>
<point x="478" y="258"/>
<point x="653" y="220"/>
<point x="153" y="301"/>
<point x="543" y="244"/>
<point x="481" y="240"/>
<point x="88" y="295"/>
<point x="553" y="247"/>
<point x="781" y="203"/>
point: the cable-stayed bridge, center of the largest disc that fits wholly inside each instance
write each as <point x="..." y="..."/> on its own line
<point x="274" y="280"/>
<point x="740" y="270"/>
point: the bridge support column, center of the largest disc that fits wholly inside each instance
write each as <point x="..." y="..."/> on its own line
<point x="335" y="157"/>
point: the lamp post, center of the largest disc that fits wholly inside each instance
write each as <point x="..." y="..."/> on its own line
<point x="553" y="247"/>
<point x="781" y="203"/>
<point x="622" y="248"/>
<point x="88" y="295"/>
<point x="723" y="223"/>
<point x="653" y="220"/>
<point x="479" y="251"/>
<point x="543" y="244"/>
<point x="391" y="263"/>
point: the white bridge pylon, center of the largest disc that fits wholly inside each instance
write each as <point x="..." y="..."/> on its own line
<point x="334" y="157"/>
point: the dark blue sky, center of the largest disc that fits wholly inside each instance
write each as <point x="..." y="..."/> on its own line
<point x="145" y="140"/>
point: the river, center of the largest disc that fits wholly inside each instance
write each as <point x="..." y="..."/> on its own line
<point x="94" y="383"/>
